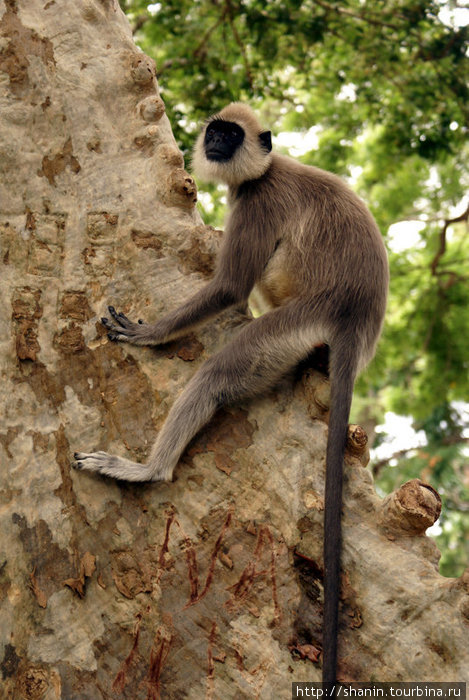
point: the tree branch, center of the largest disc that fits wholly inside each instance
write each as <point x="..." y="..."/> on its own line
<point x="242" y="48"/>
<point x="182" y="61"/>
<point x="377" y="466"/>
<point x="362" y="18"/>
<point x="140" y="21"/>
<point x="442" y="247"/>
<point x="450" y="440"/>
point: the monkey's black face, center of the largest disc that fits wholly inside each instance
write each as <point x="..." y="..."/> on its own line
<point x="222" y="139"/>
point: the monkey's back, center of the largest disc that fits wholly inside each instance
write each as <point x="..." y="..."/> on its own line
<point x="328" y="253"/>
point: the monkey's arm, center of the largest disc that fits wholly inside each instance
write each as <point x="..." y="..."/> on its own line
<point x="241" y="262"/>
<point x="208" y="302"/>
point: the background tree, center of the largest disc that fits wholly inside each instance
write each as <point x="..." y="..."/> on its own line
<point x="381" y="89"/>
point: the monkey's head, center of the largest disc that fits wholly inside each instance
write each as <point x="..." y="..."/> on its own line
<point x="232" y="147"/>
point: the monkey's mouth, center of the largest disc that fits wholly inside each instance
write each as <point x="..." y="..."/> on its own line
<point x="217" y="155"/>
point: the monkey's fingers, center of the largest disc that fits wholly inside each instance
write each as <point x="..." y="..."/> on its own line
<point x="115" y="332"/>
<point x="120" y="318"/>
<point x="115" y="336"/>
<point x="123" y="334"/>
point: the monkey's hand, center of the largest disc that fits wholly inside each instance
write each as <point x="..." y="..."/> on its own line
<point x="126" y="330"/>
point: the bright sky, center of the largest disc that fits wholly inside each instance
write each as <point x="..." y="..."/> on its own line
<point x="298" y="143"/>
<point x="401" y="436"/>
<point x="457" y="17"/>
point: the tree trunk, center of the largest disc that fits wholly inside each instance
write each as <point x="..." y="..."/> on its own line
<point x="210" y="586"/>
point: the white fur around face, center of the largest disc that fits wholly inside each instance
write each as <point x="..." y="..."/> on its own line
<point x="250" y="160"/>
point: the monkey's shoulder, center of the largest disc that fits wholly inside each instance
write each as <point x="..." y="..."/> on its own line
<point x="288" y="180"/>
<point x="291" y="171"/>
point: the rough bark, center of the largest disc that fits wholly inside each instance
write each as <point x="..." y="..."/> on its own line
<point x="209" y="586"/>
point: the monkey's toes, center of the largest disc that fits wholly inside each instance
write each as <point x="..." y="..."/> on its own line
<point x="120" y="318"/>
<point x="92" y="461"/>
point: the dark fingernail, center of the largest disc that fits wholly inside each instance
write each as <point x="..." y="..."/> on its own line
<point x="111" y="309"/>
<point x="104" y="320"/>
<point x="140" y="320"/>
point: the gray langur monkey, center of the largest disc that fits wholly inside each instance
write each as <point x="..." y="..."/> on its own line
<point x="317" y="256"/>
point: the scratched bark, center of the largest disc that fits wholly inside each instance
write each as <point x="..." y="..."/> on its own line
<point x="210" y="586"/>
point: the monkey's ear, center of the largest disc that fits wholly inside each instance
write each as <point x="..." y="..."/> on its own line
<point x="266" y="140"/>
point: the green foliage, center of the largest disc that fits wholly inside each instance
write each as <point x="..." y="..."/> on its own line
<point x="385" y="83"/>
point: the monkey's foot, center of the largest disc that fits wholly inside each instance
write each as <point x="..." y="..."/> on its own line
<point x="110" y="465"/>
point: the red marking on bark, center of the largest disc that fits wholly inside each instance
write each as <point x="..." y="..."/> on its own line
<point x="164" y="547"/>
<point x="239" y="659"/>
<point x="213" y="559"/>
<point x="245" y="583"/>
<point x="210" y="663"/>
<point x="191" y="559"/>
<point x="216" y="549"/>
<point x="120" y="680"/>
<point x="158" y="655"/>
<point x="162" y="564"/>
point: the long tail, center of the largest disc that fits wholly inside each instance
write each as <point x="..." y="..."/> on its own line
<point x="342" y="374"/>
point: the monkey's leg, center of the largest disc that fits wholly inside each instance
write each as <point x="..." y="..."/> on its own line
<point x="193" y="408"/>
<point x="262" y="352"/>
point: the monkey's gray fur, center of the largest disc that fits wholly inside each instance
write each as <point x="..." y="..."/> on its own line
<point x="314" y="251"/>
